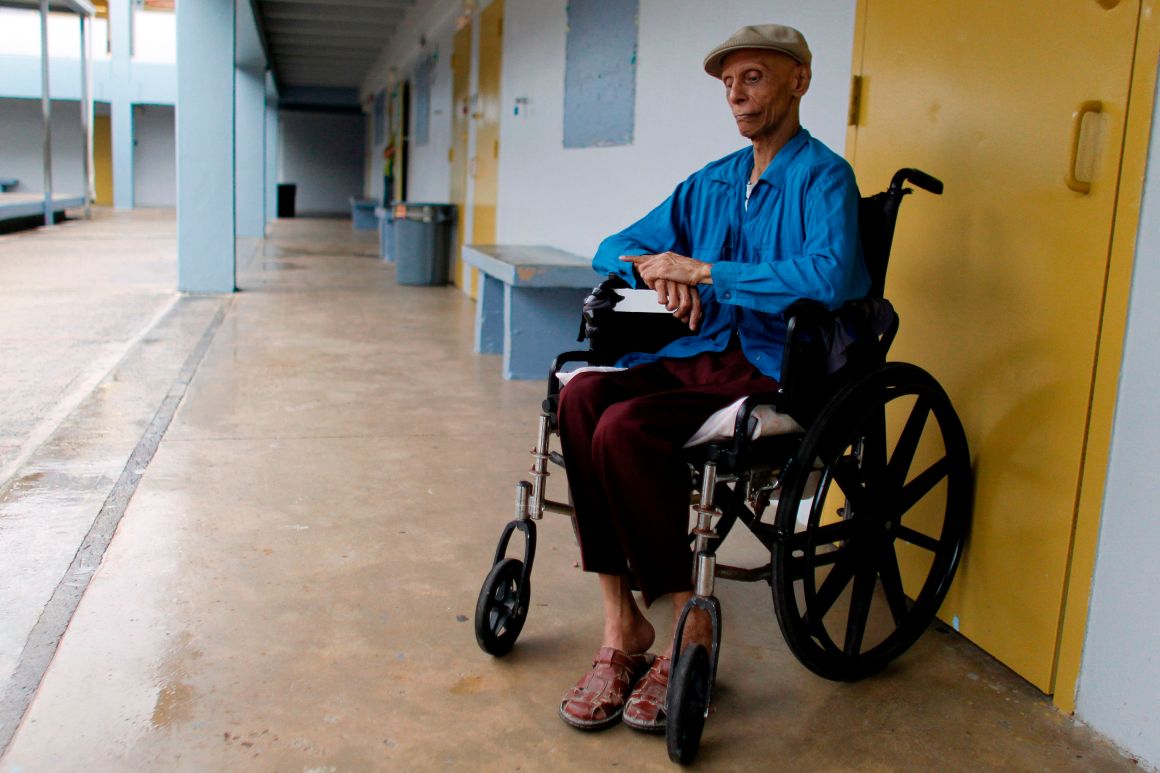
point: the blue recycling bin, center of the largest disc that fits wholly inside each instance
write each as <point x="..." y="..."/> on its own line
<point x="422" y="243"/>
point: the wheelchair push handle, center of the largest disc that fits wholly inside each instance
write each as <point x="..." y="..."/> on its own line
<point x="920" y="178"/>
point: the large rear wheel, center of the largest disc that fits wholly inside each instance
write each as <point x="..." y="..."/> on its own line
<point x="866" y="555"/>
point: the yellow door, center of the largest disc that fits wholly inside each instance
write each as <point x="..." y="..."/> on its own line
<point x="102" y="161"/>
<point x="460" y="120"/>
<point x="487" y="109"/>
<point x="1020" y="109"/>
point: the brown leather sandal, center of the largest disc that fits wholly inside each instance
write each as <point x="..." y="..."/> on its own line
<point x="597" y="700"/>
<point x="645" y="708"/>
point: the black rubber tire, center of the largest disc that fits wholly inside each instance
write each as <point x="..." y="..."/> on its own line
<point x="814" y="564"/>
<point x="502" y="607"/>
<point x="686" y="705"/>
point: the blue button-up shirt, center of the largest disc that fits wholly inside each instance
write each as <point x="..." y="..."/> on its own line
<point x="798" y="238"/>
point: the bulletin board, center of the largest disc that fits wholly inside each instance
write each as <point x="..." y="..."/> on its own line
<point x="600" y="73"/>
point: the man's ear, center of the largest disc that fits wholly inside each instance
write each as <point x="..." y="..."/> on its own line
<point x="800" y="83"/>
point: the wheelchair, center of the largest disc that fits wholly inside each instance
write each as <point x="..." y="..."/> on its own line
<point x="870" y="490"/>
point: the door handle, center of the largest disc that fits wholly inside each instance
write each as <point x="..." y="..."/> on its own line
<point x="1073" y="182"/>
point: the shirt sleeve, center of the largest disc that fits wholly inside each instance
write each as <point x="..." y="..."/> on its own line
<point x="658" y="231"/>
<point x="829" y="269"/>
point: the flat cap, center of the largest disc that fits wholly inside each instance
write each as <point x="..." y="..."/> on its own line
<point x="771" y="37"/>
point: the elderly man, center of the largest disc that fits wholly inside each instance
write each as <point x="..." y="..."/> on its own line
<point x="732" y="247"/>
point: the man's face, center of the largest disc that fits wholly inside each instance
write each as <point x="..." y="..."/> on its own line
<point x="761" y="87"/>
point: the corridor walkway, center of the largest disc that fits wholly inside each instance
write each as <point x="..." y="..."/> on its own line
<point x="306" y="480"/>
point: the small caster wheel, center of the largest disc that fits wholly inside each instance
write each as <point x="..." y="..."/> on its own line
<point x="687" y="704"/>
<point x="502" y="607"/>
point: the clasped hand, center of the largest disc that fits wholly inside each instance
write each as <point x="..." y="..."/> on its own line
<point x="674" y="278"/>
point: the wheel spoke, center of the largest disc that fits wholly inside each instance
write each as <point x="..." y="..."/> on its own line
<point x="849" y="479"/>
<point x="903" y="455"/>
<point x="799" y="565"/>
<point x="823" y="535"/>
<point x="859" y="609"/>
<point x="908" y="534"/>
<point x="832" y="587"/>
<point x="922" y="484"/>
<point x="892" y="584"/>
<point x="874" y="444"/>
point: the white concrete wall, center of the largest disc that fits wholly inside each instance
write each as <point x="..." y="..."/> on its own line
<point x="429" y="28"/>
<point x="429" y="167"/>
<point x="21" y="154"/>
<point x="573" y="198"/>
<point x="20" y="151"/>
<point x="323" y="154"/>
<point x="154" y="36"/>
<point x="154" y="156"/>
<point x="1120" y="674"/>
<point x="20" y="34"/>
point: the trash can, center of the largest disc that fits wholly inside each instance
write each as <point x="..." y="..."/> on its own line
<point x="386" y="218"/>
<point x="422" y="244"/>
<point x="286" y="194"/>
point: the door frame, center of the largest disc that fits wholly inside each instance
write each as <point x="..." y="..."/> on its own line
<point x="1109" y="358"/>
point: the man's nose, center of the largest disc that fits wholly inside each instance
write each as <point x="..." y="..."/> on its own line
<point x="736" y="94"/>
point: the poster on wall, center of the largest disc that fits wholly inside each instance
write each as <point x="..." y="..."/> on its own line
<point x="422" y="77"/>
<point x="379" y="117"/>
<point x="600" y="73"/>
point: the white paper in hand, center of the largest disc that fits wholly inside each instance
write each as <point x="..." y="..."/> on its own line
<point x="639" y="301"/>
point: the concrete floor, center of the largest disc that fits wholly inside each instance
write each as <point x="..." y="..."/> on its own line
<point x="291" y="584"/>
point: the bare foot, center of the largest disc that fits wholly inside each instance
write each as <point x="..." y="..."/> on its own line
<point x="632" y="636"/>
<point x="625" y="628"/>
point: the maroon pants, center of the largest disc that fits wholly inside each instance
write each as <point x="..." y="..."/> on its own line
<point x="622" y="434"/>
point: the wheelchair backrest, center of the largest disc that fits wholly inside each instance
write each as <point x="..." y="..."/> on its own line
<point x="877" y="216"/>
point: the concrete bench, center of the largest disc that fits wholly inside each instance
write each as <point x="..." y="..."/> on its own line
<point x="529" y="304"/>
<point x="362" y="214"/>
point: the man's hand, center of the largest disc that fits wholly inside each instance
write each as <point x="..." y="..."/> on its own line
<point x="674" y="277"/>
<point x="670" y="266"/>
<point x="683" y="301"/>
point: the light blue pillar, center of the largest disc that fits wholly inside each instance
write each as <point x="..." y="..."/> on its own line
<point x="205" y="146"/>
<point x="121" y="107"/>
<point x="271" y="148"/>
<point x="250" y="151"/>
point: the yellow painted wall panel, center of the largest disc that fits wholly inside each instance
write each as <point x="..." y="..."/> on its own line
<point x="487" y="111"/>
<point x="102" y="161"/>
<point x="460" y="121"/>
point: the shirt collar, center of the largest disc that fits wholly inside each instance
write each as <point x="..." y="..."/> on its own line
<point x="774" y="174"/>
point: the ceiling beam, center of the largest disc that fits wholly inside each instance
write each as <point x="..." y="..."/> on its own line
<point x="316" y="34"/>
<point x="291" y="44"/>
<point x="337" y="60"/>
<point x="384" y="5"/>
<point x="322" y="17"/>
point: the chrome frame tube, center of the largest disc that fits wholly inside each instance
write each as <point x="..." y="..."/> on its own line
<point x="540" y="470"/>
<point x="704" y="533"/>
<point x="46" y="112"/>
<point x="87" y="113"/>
<point x="523" y="489"/>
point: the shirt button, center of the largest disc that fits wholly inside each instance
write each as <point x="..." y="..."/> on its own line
<point x="728" y="295"/>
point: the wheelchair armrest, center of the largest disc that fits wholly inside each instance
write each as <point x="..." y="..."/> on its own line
<point x="552" y="401"/>
<point x="743" y="427"/>
<point x="614" y="333"/>
<point x="803" y="364"/>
